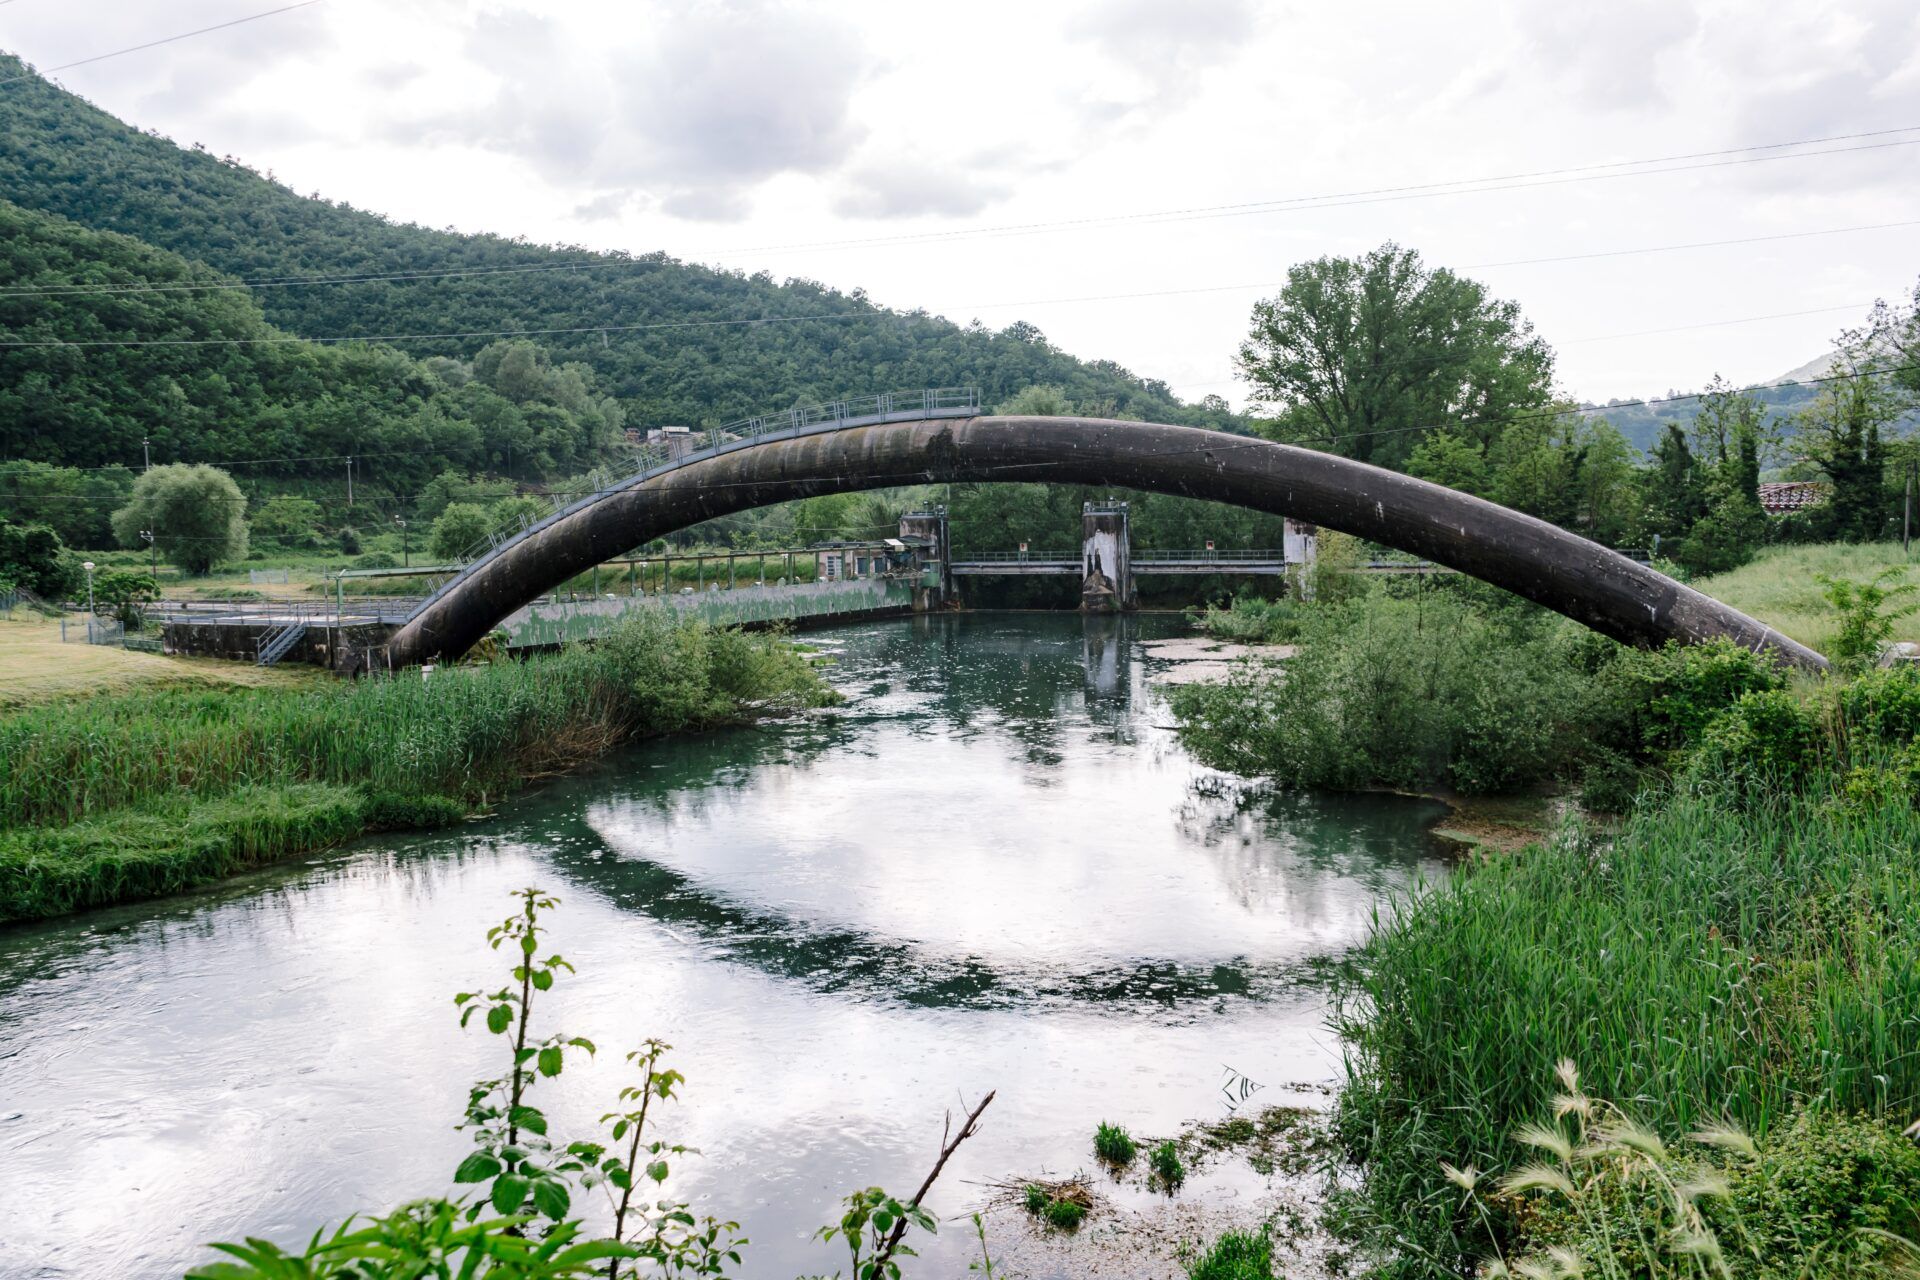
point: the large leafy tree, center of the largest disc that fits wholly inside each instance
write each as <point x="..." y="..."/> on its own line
<point x="197" y="515"/>
<point x="1366" y="355"/>
<point x="32" y="557"/>
<point x="1844" y="433"/>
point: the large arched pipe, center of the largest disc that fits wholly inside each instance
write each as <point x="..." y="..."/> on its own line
<point x="1534" y="559"/>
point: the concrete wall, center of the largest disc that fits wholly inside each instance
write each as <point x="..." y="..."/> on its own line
<point x="239" y="641"/>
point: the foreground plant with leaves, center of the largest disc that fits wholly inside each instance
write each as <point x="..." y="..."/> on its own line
<point x="1607" y="1197"/>
<point x="522" y="1228"/>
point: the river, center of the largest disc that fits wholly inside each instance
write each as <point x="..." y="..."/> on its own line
<point x="993" y="868"/>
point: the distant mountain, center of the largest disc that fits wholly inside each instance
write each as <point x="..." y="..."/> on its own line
<point x="1643" y="424"/>
<point x="729" y="344"/>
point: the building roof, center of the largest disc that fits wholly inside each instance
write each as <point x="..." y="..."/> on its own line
<point x="1778" y="497"/>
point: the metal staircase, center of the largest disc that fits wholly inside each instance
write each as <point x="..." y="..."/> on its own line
<point x="275" y="644"/>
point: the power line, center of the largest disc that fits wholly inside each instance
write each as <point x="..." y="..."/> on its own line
<point x="575" y="330"/>
<point x="154" y="44"/>
<point x="1380" y="195"/>
<point x="1225" y="440"/>
<point x="408" y="277"/>
<point x="1603" y="337"/>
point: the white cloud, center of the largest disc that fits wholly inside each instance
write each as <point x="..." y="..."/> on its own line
<point x="690" y="114"/>
<point x="639" y="124"/>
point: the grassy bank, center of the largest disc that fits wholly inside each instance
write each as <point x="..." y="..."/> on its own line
<point x="122" y="796"/>
<point x="1733" y="954"/>
<point x="37" y="667"/>
<point x="1781" y="587"/>
<point x="1722" y="957"/>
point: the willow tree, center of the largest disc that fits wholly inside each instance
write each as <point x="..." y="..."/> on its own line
<point x="196" y="515"/>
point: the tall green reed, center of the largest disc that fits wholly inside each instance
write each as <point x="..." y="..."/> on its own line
<point x="1726" y="954"/>
<point x="467" y="731"/>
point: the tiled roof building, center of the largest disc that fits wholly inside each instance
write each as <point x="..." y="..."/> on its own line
<point x="1779" y="498"/>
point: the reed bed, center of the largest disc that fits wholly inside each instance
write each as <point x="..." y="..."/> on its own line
<point x="168" y="847"/>
<point x="1723" y="957"/>
<point x="407" y="745"/>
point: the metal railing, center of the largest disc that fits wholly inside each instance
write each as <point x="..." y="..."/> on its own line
<point x="1016" y="557"/>
<point x="891" y="406"/>
<point x="276" y="644"/>
<point x="1226" y="555"/>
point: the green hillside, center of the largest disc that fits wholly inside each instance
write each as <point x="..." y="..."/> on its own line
<point x="62" y="156"/>
<point x="226" y="384"/>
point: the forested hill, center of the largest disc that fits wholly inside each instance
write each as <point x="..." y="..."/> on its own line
<point x="201" y="375"/>
<point x="61" y="155"/>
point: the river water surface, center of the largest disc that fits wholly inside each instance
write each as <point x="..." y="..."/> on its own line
<point x="993" y="868"/>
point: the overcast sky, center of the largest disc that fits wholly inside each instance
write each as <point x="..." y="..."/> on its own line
<point x="745" y="134"/>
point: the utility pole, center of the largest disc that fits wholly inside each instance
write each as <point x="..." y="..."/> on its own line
<point x="406" y="557"/>
<point x="1906" y="520"/>
<point x="153" y="553"/>
<point x="146" y="453"/>
<point x="349" y="479"/>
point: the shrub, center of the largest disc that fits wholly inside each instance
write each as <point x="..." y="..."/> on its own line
<point x="1609" y="782"/>
<point x="376" y="560"/>
<point x="1867" y="612"/>
<point x="1250" y="620"/>
<point x="1236" y="1255"/>
<point x="1113" y="1144"/>
<point x="1882" y="704"/>
<point x="1398" y="692"/>
<point x="1165" y="1162"/>
<point x="1651" y="704"/>
<point x="33" y="558"/>
<point x="289" y="520"/>
<point x="1766" y="736"/>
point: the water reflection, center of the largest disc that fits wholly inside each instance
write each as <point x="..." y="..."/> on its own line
<point x="993" y="868"/>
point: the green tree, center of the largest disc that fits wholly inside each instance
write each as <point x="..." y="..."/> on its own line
<point x="289" y="520"/>
<point x="523" y="508"/>
<point x="1038" y="402"/>
<point x="1676" y="491"/>
<point x="197" y="515"/>
<point x="1452" y="460"/>
<point x="32" y="558"/>
<point x="452" y="486"/>
<point x="124" y="594"/>
<point x="1843" y="433"/>
<point x="78" y="504"/>
<point x="1368" y="354"/>
<point x="459" y="527"/>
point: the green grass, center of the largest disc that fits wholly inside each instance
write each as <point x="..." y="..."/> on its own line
<point x="167" y="848"/>
<point x="80" y="779"/>
<point x="37" y="667"/>
<point x="1164" y="1160"/>
<point x="1236" y="1255"/>
<point x="1066" y="1207"/>
<point x="1726" y="954"/>
<point x="1779" y="587"/>
<point x="1113" y="1144"/>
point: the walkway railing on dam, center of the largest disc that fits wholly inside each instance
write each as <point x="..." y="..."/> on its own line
<point x="562" y="622"/>
<point x="835" y="415"/>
